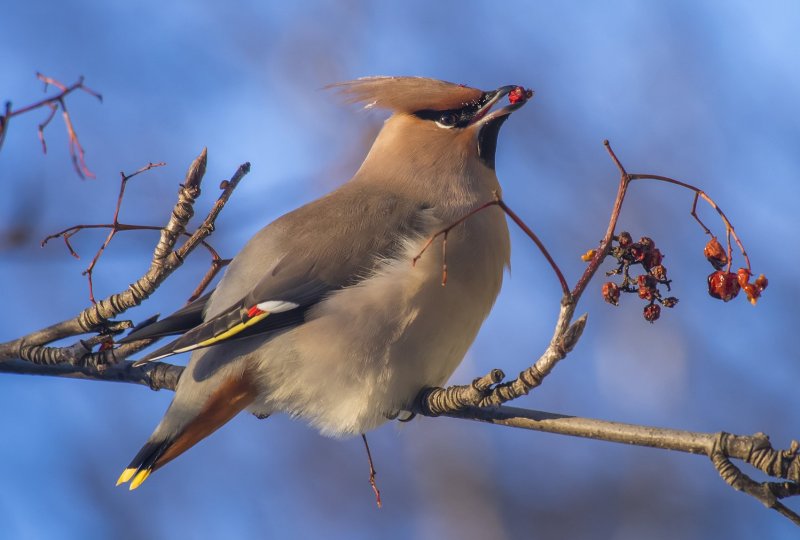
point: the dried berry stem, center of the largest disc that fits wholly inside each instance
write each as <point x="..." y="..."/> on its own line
<point x="700" y="194"/>
<point x="605" y="243"/>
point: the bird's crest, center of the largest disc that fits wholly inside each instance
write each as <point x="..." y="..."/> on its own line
<point x="407" y="94"/>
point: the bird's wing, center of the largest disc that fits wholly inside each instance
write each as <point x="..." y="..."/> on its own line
<point x="179" y="322"/>
<point x="330" y="249"/>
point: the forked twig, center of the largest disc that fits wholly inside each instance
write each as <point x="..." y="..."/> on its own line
<point x="217" y="262"/>
<point x="444" y="232"/>
<point x="497" y="201"/>
<point x="34" y="348"/>
<point x="700" y="194"/>
<point x="55" y="102"/>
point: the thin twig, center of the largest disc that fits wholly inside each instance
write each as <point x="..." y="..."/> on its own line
<point x="115" y="227"/>
<point x="217" y="264"/>
<point x="444" y="231"/>
<point x="55" y="102"/>
<point x="730" y="231"/>
<point x="497" y="201"/>
<point x="4" y="118"/>
<point x="372" y="473"/>
<point x="40" y="129"/>
<point x="115" y="224"/>
<point x="528" y="231"/>
<point x="605" y="243"/>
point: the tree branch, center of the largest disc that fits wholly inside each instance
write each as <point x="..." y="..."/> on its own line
<point x="166" y="259"/>
<point x="754" y="450"/>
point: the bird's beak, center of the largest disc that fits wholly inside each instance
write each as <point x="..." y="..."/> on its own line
<point x="517" y="96"/>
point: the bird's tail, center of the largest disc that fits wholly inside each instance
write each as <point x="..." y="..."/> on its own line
<point x="180" y="431"/>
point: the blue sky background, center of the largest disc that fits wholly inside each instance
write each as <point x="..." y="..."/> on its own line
<point x="704" y="92"/>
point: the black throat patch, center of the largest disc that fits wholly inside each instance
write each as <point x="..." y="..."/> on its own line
<point x="487" y="140"/>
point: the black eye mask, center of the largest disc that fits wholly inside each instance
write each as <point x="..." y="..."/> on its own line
<point x="455" y="118"/>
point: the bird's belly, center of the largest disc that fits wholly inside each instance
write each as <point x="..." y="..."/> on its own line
<point x="367" y="351"/>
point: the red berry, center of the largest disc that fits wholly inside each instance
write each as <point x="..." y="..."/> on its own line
<point x="659" y="272"/>
<point x="637" y="252"/>
<point x="647" y="286"/>
<point x="624" y="239"/>
<point x="611" y="293"/>
<point x="743" y="276"/>
<point x="669" y="301"/>
<point x="723" y="285"/>
<point x="647" y="243"/>
<point x="652" y="258"/>
<point x="753" y="292"/>
<point x="519" y="94"/>
<point x="652" y="312"/>
<point x="715" y="253"/>
<point x="762" y="282"/>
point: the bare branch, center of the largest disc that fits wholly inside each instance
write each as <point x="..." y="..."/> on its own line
<point x="155" y="375"/>
<point x="754" y="450"/>
<point x="193" y="175"/>
<point x="165" y="260"/>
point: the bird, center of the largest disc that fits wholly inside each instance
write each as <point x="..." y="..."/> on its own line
<point x="329" y="314"/>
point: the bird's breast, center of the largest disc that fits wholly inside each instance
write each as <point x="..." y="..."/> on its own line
<point x="367" y="350"/>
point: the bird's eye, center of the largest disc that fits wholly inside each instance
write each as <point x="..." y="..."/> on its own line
<point x="447" y="120"/>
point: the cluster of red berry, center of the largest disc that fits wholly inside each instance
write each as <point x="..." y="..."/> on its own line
<point x="644" y="253"/>
<point x="724" y="284"/>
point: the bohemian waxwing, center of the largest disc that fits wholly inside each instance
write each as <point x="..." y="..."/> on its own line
<point x="322" y="315"/>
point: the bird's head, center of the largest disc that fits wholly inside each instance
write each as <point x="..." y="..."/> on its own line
<point x="433" y="120"/>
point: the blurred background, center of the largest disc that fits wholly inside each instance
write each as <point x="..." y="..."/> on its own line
<point x="703" y="92"/>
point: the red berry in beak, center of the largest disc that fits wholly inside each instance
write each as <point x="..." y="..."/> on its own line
<point x="519" y="94"/>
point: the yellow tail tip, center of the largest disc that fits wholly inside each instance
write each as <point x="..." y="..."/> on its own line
<point x="126" y="475"/>
<point x="140" y="477"/>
